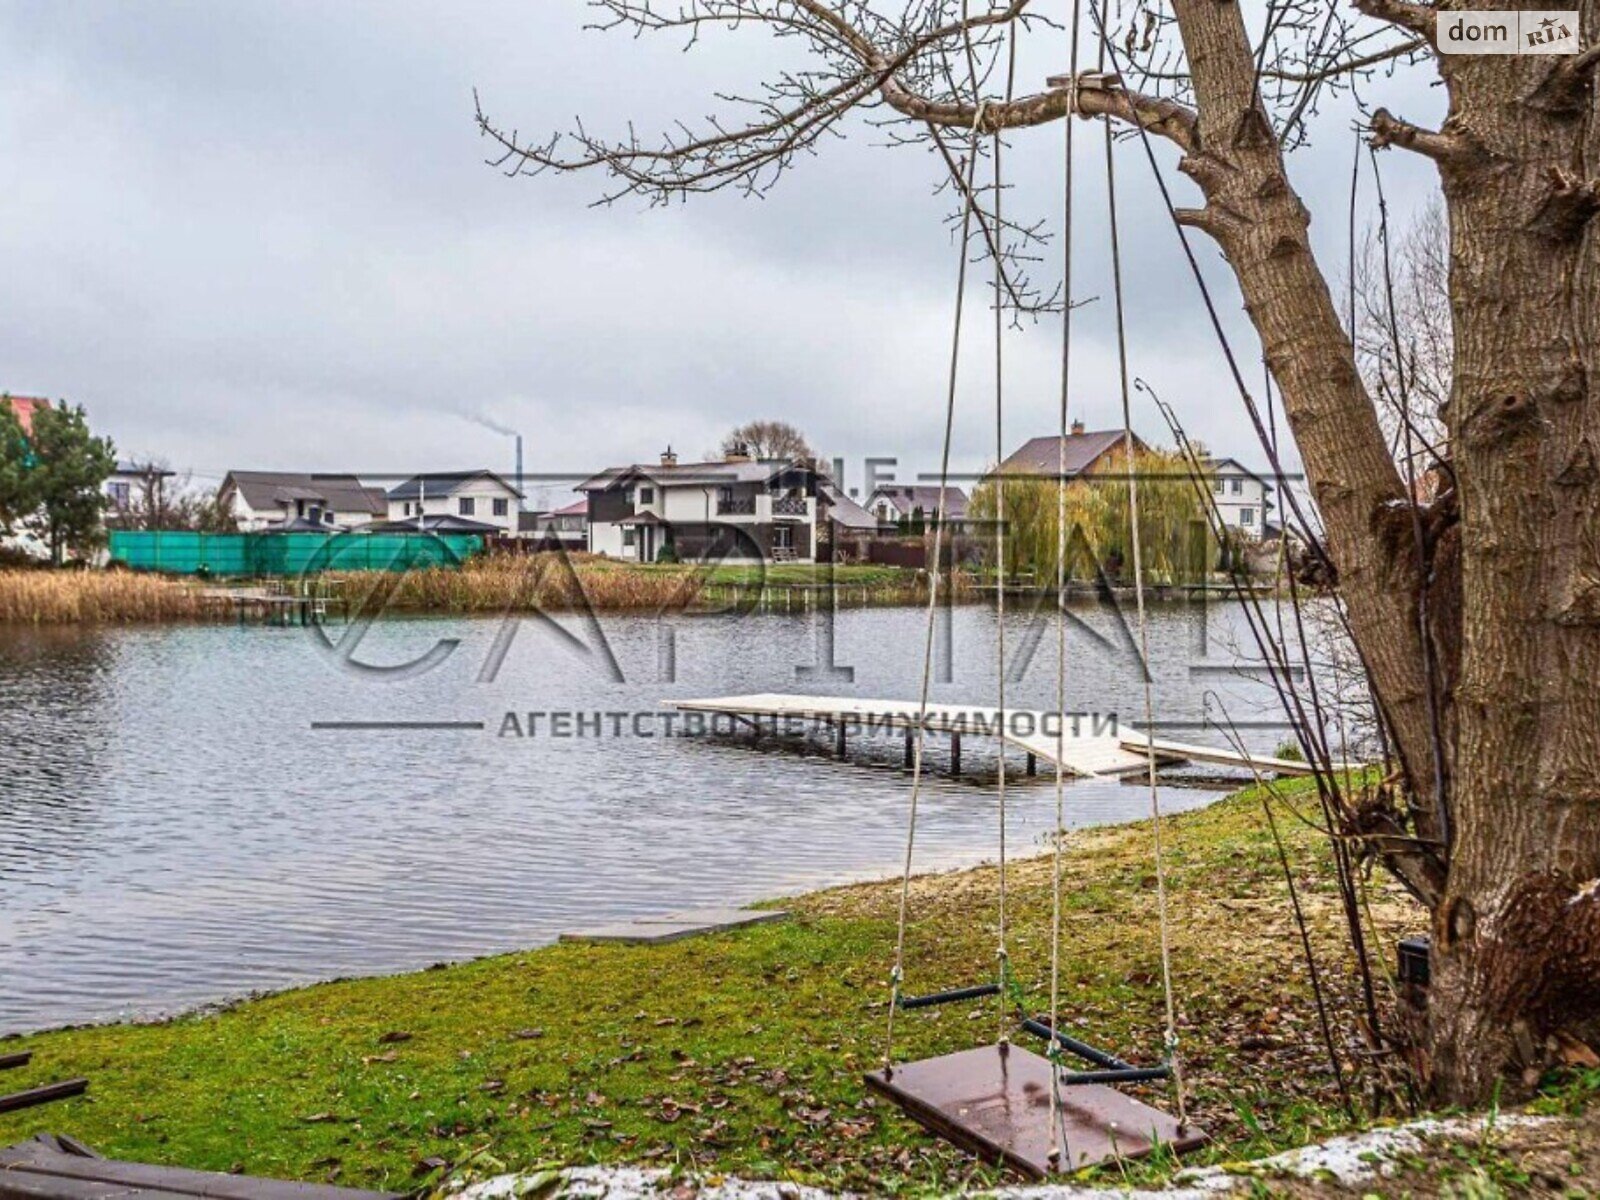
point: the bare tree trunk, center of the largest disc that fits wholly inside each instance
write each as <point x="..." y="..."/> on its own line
<point x="1511" y="964"/>
<point x="1517" y="954"/>
<point x="1260" y="223"/>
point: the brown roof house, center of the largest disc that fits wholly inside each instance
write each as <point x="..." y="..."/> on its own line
<point x="1079" y="452"/>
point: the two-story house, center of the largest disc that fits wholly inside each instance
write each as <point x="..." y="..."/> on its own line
<point x="1242" y="497"/>
<point x="456" y="501"/>
<point x="738" y="509"/>
<point x="284" y="501"/>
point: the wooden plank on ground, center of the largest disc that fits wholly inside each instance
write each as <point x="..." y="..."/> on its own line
<point x="10" y="1061"/>
<point x="43" y="1095"/>
<point x="672" y="927"/>
<point x="73" y="1174"/>
<point x="28" y="1185"/>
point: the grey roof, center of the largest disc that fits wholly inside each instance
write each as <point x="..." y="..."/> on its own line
<point x="302" y="525"/>
<point x="925" y="497"/>
<point x="689" y="474"/>
<point x="1044" y="455"/>
<point x="143" y="470"/>
<point x="845" y="512"/>
<point x="432" y="523"/>
<point x="444" y="483"/>
<point x="1218" y="464"/>
<point x="265" y="490"/>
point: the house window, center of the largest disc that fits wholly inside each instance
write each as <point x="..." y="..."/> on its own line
<point x="466" y="506"/>
<point x="647" y="495"/>
<point x="120" y="494"/>
<point x="315" y="516"/>
<point x="408" y="508"/>
<point x="502" y="506"/>
<point x="627" y="535"/>
<point x="1217" y="487"/>
<point x="327" y="518"/>
<point x="1236" y="486"/>
<point x="783" y="537"/>
<point x="1247" y="516"/>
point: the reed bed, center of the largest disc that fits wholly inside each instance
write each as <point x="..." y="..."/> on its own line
<point x="39" y="597"/>
<point x="492" y="584"/>
<point x="515" y="582"/>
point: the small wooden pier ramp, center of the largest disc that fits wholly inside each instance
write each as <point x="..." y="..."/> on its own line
<point x="1090" y="747"/>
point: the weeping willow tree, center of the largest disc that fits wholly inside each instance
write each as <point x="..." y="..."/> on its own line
<point x="1176" y="543"/>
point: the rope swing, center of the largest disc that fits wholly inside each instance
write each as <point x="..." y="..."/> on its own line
<point x="941" y="1092"/>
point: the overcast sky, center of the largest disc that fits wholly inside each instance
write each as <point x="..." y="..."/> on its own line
<point x="251" y="235"/>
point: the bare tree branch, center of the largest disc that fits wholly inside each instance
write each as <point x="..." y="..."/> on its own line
<point x="1445" y="148"/>
<point x="1418" y="18"/>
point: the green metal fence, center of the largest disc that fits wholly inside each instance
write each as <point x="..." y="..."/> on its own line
<point x="288" y="553"/>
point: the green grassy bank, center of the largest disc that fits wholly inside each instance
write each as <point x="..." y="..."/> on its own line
<point x="742" y="1052"/>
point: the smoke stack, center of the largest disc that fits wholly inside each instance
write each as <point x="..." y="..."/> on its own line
<point x="669" y="458"/>
<point x="1077" y="428"/>
<point x="521" y="500"/>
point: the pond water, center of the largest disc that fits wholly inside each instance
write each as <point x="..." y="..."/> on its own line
<point x="183" y="818"/>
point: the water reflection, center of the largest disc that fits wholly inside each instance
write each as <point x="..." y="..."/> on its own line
<point x="173" y="830"/>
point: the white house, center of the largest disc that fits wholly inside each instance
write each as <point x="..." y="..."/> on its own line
<point x="558" y="529"/>
<point x="456" y="502"/>
<point x="737" y="509"/>
<point x="895" y="502"/>
<point x="289" y="500"/>
<point x="1242" y="497"/>
<point x="132" y="485"/>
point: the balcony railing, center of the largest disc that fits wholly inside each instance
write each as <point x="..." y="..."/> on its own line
<point x="789" y="506"/>
<point x="736" y="507"/>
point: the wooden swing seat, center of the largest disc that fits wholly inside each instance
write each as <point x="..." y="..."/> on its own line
<point x="995" y="1102"/>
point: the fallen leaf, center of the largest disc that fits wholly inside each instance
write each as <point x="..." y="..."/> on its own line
<point x="1574" y="1053"/>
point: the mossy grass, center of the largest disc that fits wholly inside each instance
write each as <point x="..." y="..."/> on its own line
<point x="744" y="1052"/>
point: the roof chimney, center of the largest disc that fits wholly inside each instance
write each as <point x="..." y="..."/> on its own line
<point x="738" y="452"/>
<point x="1077" y="429"/>
<point x="669" y="457"/>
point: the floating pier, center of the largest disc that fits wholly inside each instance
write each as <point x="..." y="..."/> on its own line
<point x="1092" y="747"/>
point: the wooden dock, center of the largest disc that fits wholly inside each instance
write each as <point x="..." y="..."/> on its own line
<point x="1091" y="747"/>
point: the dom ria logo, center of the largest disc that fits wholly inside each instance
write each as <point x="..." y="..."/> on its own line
<point x="1536" y="32"/>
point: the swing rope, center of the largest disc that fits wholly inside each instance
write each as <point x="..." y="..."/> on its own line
<point x="1058" y="1131"/>
<point x="897" y="973"/>
<point x="1171" y="1031"/>
<point x="1002" y="955"/>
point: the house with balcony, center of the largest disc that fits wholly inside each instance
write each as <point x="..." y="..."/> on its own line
<point x="738" y="509"/>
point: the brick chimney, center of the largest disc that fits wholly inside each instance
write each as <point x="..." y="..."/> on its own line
<point x="1077" y="428"/>
<point x="669" y="457"/>
<point x="738" y="453"/>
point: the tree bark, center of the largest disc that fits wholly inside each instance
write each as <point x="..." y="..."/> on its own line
<point x="1514" y="928"/>
<point x="1511" y="964"/>
<point x="1260" y="223"/>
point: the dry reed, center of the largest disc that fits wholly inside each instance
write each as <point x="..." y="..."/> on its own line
<point x="497" y="583"/>
<point x="41" y="597"/>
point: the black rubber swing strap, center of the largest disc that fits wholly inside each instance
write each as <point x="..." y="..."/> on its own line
<point x="953" y="996"/>
<point x="1129" y="1075"/>
<point x="1073" y="1046"/>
